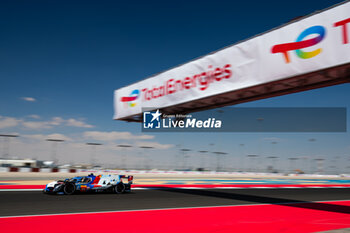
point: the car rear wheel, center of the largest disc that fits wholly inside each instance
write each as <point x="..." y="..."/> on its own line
<point x="69" y="188"/>
<point x="119" y="188"/>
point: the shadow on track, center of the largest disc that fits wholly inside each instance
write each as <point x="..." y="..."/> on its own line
<point x="264" y="200"/>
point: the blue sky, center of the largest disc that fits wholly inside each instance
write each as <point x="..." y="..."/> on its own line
<point x="69" y="57"/>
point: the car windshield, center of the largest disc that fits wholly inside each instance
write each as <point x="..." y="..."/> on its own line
<point x="85" y="180"/>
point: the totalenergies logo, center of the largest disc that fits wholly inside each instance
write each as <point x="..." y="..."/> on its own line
<point x="129" y="100"/>
<point x="170" y="86"/>
<point x="301" y="44"/>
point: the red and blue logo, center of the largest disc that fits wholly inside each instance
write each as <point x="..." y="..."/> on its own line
<point x="130" y="100"/>
<point x="301" y="44"/>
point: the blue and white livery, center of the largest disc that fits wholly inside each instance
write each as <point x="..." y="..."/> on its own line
<point x="91" y="183"/>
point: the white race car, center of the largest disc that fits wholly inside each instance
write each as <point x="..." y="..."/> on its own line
<point x="91" y="183"/>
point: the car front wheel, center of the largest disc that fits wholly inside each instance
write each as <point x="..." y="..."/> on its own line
<point x="69" y="188"/>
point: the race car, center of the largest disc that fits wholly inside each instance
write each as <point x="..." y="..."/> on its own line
<point x="91" y="183"/>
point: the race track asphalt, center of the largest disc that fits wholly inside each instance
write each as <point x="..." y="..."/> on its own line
<point x="18" y="203"/>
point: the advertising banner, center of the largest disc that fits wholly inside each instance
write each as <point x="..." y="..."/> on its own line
<point x="314" y="43"/>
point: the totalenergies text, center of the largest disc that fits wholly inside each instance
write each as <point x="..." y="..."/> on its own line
<point x="201" y="81"/>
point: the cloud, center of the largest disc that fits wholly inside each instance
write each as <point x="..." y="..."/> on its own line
<point x="55" y="121"/>
<point x="155" y="145"/>
<point x="34" y="116"/>
<point x="28" y="99"/>
<point x="7" y="122"/>
<point x="36" y="125"/>
<point x="114" y="135"/>
<point x="145" y="137"/>
<point x="77" y="123"/>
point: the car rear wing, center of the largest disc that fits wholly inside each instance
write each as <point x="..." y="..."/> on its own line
<point x="130" y="178"/>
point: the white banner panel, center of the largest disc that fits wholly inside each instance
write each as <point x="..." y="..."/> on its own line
<point x="317" y="42"/>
